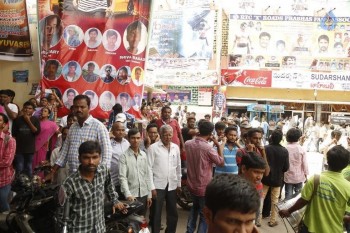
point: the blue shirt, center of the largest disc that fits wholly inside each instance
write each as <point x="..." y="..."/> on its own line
<point x="230" y="162"/>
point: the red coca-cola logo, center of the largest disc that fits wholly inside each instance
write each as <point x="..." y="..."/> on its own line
<point x="259" y="81"/>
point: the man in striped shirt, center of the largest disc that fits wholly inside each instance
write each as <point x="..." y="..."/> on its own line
<point x="86" y="129"/>
<point x="92" y="8"/>
<point x="230" y="151"/>
<point x="86" y="188"/>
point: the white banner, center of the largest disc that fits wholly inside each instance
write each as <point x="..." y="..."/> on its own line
<point x="311" y="80"/>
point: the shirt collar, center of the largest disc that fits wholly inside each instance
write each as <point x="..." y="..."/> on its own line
<point x="161" y="144"/>
<point x="115" y="142"/>
<point x="201" y="139"/>
<point x="334" y="173"/>
<point x="130" y="151"/>
<point x="88" y="120"/>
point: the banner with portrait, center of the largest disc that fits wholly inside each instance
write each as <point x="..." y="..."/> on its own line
<point x="14" y="31"/>
<point x="300" y="36"/>
<point x="95" y="48"/>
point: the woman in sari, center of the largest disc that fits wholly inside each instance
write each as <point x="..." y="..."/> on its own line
<point x="49" y="131"/>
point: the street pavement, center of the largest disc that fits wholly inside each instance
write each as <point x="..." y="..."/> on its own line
<point x="315" y="166"/>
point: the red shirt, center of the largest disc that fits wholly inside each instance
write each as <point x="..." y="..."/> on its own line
<point x="200" y="159"/>
<point x="176" y="129"/>
<point x="7" y="154"/>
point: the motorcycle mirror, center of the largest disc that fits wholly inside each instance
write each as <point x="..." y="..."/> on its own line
<point x="62" y="196"/>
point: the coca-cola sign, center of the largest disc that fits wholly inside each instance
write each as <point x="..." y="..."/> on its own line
<point x="256" y="78"/>
<point x="255" y="81"/>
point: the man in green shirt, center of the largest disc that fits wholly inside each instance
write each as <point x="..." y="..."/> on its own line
<point x="134" y="175"/>
<point x="346" y="174"/>
<point x="326" y="209"/>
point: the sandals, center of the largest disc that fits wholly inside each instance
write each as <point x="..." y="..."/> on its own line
<point x="272" y="224"/>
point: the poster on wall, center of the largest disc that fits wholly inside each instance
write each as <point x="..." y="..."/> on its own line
<point x="205" y="96"/>
<point x="95" y="48"/>
<point x="14" y="32"/>
<point x="179" y="96"/>
<point x="20" y="76"/>
<point x="298" y="37"/>
<point x="181" y="39"/>
<point x="219" y="102"/>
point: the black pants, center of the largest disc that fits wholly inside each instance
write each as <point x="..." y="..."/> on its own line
<point x="171" y="210"/>
<point x="347" y="225"/>
<point x="143" y="200"/>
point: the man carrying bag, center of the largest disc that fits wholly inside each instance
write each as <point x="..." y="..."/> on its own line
<point x="326" y="208"/>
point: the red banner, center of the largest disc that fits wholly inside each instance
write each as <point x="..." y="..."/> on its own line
<point x="95" y="48"/>
<point x="255" y="78"/>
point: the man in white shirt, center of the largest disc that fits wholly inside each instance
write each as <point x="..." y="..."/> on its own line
<point x="119" y="146"/>
<point x="255" y="123"/>
<point x="6" y="107"/>
<point x="165" y="170"/>
<point x="71" y="75"/>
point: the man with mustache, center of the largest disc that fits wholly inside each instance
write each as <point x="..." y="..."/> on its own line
<point x="51" y="68"/>
<point x="86" y="129"/>
<point x="87" y="208"/>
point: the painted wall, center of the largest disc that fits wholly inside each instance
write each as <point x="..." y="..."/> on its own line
<point x="6" y="67"/>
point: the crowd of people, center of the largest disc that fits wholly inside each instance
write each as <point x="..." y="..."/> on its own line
<point x="236" y="168"/>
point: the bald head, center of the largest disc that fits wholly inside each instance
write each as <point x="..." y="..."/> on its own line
<point x="118" y="131"/>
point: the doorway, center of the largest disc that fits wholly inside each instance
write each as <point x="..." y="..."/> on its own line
<point x="298" y="118"/>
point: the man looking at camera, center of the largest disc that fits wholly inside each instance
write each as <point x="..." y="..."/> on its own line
<point x="133" y="36"/>
<point x="86" y="129"/>
<point x="230" y="150"/>
<point x="8" y="108"/>
<point x="134" y="174"/>
<point x="51" y="68"/>
<point x="165" y="168"/>
<point x="200" y="159"/>
<point x="87" y="208"/>
<point x="24" y="130"/>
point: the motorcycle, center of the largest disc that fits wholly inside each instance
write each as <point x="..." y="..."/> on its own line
<point x="184" y="199"/>
<point x="33" y="206"/>
<point x="119" y="222"/>
<point x="36" y="208"/>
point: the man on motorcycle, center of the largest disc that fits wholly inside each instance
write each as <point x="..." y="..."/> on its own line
<point x="86" y="188"/>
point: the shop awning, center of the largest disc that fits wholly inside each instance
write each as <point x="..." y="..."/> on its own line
<point x="257" y="108"/>
<point x="151" y="89"/>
